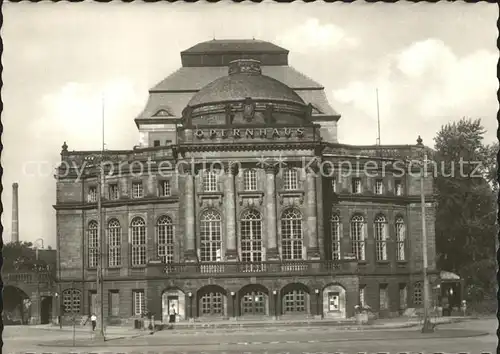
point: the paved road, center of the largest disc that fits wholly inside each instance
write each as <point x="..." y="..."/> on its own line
<point x="269" y="341"/>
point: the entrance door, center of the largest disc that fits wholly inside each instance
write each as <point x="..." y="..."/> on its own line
<point x="45" y="309"/>
<point x="167" y="302"/>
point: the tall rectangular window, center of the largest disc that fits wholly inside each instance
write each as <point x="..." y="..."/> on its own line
<point x="93" y="302"/>
<point x="400" y="239"/>
<point x="139" y="302"/>
<point x="334" y="184"/>
<point x="92" y="195"/>
<point x="114" y="303"/>
<point x="113" y="191"/>
<point x="156" y="143"/>
<point x="403" y="297"/>
<point x="137" y="190"/>
<point x="381" y="237"/>
<point x="398" y="186"/>
<point x="384" y="297"/>
<point x="379" y="186"/>
<point x="164" y="188"/>
<point x="356" y="185"/>
<point x="362" y="295"/>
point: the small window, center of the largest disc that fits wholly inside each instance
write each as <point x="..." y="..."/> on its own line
<point x="156" y="143"/>
<point x="137" y="190"/>
<point x="113" y="191"/>
<point x="334" y="184"/>
<point x="291" y="180"/>
<point x="356" y="185"/>
<point x="379" y="186"/>
<point x="92" y="195"/>
<point x="164" y="188"/>
<point x="210" y="181"/>
<point x="168" y="142"/>
<point x="250" y="180"/>
<point x="398" y="186"/>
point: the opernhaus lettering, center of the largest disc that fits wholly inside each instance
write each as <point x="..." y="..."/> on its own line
<point x="250" y="133"/>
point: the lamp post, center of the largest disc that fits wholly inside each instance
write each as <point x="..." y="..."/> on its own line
<point x="233" y="294"/>
<point x="427" y="325"/>
<point x="316" y="291"/>
<point x="190" y="314"/>
<point x="275" y="295"/>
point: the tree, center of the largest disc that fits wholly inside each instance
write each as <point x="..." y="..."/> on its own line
<point x="466" y="214"/>
<point x="20" y="256"/>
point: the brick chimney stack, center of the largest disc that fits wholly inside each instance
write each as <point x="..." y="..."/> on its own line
<point x="15" y="213"/>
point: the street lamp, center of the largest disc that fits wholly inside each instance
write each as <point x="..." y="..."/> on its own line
<point x="275" y="293"/>
<point x="234" y="305"/>
<point x="190" y="295"/>
<point x="427" y="325"/>
<point x="316" y="291"/>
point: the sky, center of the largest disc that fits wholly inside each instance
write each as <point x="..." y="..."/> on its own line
<point x="431" y="63"/>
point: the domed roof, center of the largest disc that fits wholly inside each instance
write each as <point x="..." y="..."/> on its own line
<point x="245" y="80"/>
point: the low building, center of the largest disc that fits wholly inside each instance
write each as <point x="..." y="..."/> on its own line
<point x="240" y="202"/>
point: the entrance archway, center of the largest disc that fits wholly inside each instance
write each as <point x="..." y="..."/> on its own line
<point x="16" y="306"/>
<point x="295" y="299"/>
<point x="254" y="300"/>
<point x="45" y="309"/>
<point x="175" y="298"/>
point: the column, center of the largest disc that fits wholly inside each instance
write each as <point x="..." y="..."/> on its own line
<point x="310" y="213"/>
<point x="189" y="222"/>
<point x="230" y="210"/>
<point x="270" y="200"/>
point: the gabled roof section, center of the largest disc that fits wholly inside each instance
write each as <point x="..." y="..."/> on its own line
<point x="234" y="46"/>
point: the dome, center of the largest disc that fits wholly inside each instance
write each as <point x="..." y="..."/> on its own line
<point x="245" y="80"/>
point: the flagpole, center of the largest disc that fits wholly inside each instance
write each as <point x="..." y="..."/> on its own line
<point x="99" y="275"/>
<point x="378" y="119"/>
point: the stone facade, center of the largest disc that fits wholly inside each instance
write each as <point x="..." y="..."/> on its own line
<point x="270" y="233"/>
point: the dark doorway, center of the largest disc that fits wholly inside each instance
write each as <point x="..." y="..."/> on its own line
<point x="45" y="309"/>
<point x="16" y="306"/>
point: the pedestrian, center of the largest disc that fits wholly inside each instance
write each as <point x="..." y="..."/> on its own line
<point x="93" y="319"/>
<point x="171" y="319"/>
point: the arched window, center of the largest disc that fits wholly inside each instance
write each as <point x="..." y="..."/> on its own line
<point x="335" y="232"/>
<point x="93" y="240"/>
<point x="291" y="234"/>
<point x="251" y="236"/>
<point x="114" y="243"/>
<point x="212" y="303"/>
<point x="417" y="294"/>
<point x="250" y="180"/>
<point x="71" y="299"/>
<point x="294" y="301"/>
<point x="210" y="236"/>
<point x="138" y="241"/>
<point x="380" y="224"/>
<point x="358" y="237"/>
<point x="400" y="239"/>
<point x="291" y="179"/>
<point x="165" y="239"/>
<point x="210" y="179"/>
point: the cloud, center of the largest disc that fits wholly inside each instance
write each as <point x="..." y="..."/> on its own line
<point x="313" y="35"/>
<point x="425" y="82"/>
<point x="79" y="107"/>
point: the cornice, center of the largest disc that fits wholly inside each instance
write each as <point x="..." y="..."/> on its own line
<point x="393" y="199"/>
<point x="117" y="203"/>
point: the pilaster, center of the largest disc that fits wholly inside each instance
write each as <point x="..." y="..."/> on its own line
<point x="189" y="219"/>
<point x="310" y="211"/>
<point x="230" y="210"/>
<point x="270" y="205"/>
